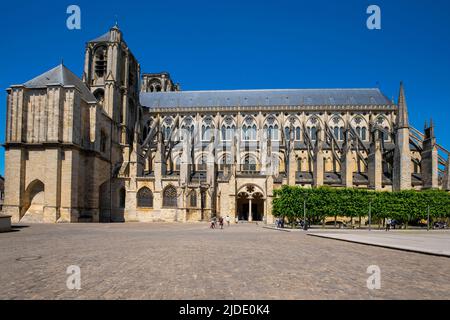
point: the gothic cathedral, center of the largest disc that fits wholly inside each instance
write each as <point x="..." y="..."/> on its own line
<point x="116" y="145"/>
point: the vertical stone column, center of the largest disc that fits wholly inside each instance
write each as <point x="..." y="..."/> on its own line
<point x="375" y="163"/>
<point x="446" y="182"/>
<point x="318" y="166"/>
<point x="14" y="182"/>
<point x="185" y="171"/>
<point x="52" y="184"/>
<point x="54" y="113"/>
<point x="291" y="164"/>
<point x="87" y="66"/>
<point x="430" y="158"/>
<point x="159" y="171"/>
<point x="250" y="217"/>
<point x="347" y="163"/>
<point x="14" y="116"/>
<point x="268" y="217"/>
<point x="211" y="174"/>
<point x="402" y="161"/>
<point x="135" y="170"/>
<point x="69" y="185"/>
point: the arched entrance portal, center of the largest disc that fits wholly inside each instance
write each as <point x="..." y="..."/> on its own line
<point x="33" y="209"/>
<point x="250" y="204"/>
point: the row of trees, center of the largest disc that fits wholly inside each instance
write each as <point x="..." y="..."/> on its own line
<point x="326" y="202"/>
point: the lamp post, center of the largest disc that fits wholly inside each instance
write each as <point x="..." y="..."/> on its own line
<point x="305" y="227"/>
<point x="370" y="215"/>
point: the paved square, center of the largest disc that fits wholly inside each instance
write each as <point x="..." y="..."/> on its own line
<point x="435" y="242"/>
<point x="191" y="261"/>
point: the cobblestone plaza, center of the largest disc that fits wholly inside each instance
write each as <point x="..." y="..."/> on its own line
<point x="191" y="261"/>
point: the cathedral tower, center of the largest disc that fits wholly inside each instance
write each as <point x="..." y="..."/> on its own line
<point x="112" y="73"/>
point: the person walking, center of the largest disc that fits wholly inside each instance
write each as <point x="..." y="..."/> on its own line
<point x="213" y="224"/>
<point x="388" y="224"/>
<point x="221" y="222"/>
<point x="227" y="218"/>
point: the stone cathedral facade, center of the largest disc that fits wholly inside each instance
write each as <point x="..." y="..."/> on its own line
<point x="116" y="145"/>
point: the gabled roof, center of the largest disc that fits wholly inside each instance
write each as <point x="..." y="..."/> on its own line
<point x="284" y="97"/>
<point x="107" y="35"/>
<point x="104" y="37"/>
<point x="60" y="75"/>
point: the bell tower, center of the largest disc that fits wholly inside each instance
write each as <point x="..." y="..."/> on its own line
<point x="112" y="73"/>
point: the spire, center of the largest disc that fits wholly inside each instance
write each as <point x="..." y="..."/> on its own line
<point x="402" y="118"/>
<point x="431" y="128"/>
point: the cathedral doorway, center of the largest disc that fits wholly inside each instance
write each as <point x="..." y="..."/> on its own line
<point x="34" y="202"/>
<point x="250" y="205"/>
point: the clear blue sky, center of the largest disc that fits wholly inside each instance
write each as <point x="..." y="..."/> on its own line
<point x="249" y="45"/>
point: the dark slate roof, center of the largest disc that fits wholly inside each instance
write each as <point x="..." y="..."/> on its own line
<point x="284" y="97"/>
<point x="360" y="178"/>
<point x="332" y="178"/>
<point x="303" y="177"/>
<point x="104" y="37"/>
<point x="60" y="75"/>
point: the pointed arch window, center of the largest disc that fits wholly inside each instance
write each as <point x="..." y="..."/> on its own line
<point x="364" y="133"/>
<point x="249" y="132"/>
<point x="144" y="198"/>
<point x="313" y="133"/>
<point x="224" y="133"/>
<point x="249" y="163"/>
<point x="287" y="133"/>
<point x="336" y="133"/>
<point x="253" y="132"/>
<point x="100" y="61"/>
<point x="275" y="132"/>
<point x="268" y="132"/>
<point x="230" y="132"/>
<point x="201" y="166"/>
<point x="245" y="133"/>
<point x="272" y="132"/>
<point x="298" y="133"/>
<point x="99" y="94"/>
<point x="225" y="161"/>
<point x="170" y="197"/>
<point x="193" y="199"/>
<point x="167" y="130"/>
<point x="386" y="134"/>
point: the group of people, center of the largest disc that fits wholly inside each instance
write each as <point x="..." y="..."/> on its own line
<point x="214" y="222"/>
<point x="279" y="223"/>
